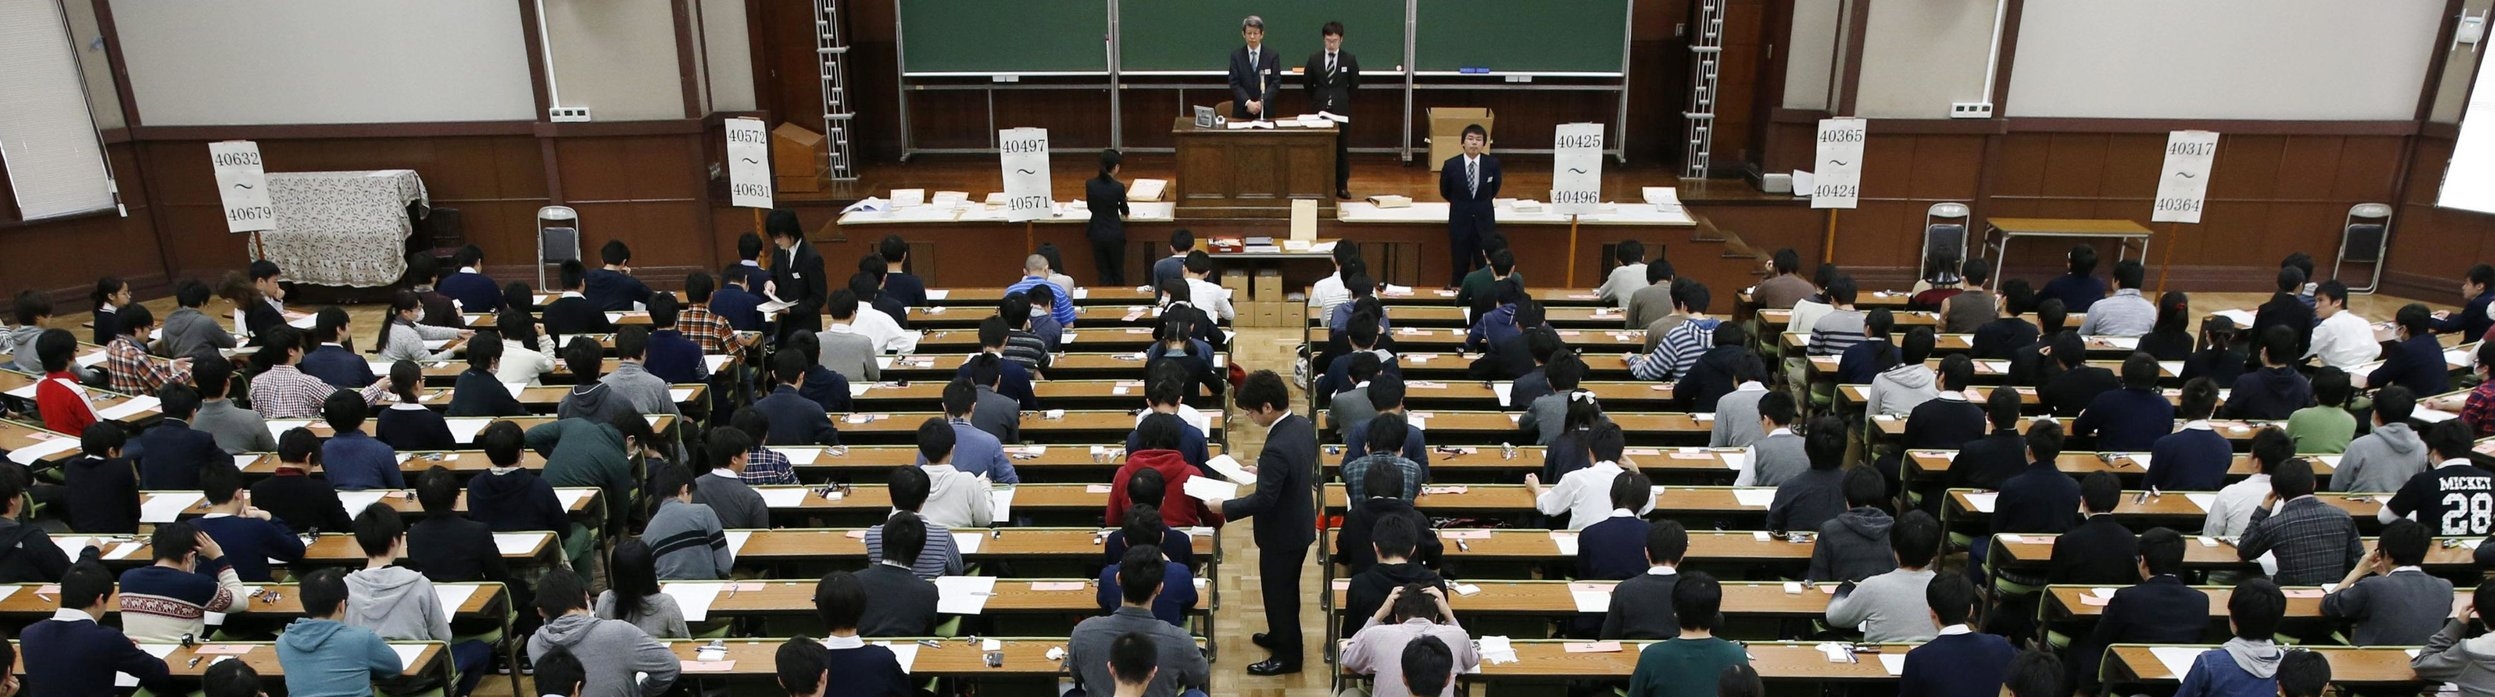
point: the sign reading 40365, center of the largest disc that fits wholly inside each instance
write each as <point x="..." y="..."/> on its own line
<point x="1024" y="154"/>
<point x="1839" y="179"/>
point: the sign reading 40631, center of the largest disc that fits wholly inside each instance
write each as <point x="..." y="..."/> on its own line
<point x="1024" y="154"/>
<point x="1838" y="181"/>
<point x="749" y="164"/>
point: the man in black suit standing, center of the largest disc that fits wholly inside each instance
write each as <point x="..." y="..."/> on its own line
<point x="1331" y="75"/>
<point x="1285" y="513"/>
<point x="1469" y="182"/>
<point x="1255" y="72"/>
<point x="796" y="269"/>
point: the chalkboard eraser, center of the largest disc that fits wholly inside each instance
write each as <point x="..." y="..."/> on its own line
<point x="1473" y="70"/>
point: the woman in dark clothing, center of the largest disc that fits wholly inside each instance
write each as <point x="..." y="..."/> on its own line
<point x="2168" y="341"/>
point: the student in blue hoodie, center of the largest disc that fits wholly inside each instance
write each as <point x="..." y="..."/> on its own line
<point x="322" y="655"/>
<point x="2247" y="665"/>
<point x="2132" y="418"/>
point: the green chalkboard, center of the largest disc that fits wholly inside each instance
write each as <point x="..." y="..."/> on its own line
<point x="1004" y="36"/>
<point x="1544" y="36"/>
<point x="1198" y="35"/>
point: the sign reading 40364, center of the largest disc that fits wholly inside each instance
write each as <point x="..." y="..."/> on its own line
<point x="1838" y="183"/>
<point x="1024" y="154"/>
<point x="2183" y="183"/>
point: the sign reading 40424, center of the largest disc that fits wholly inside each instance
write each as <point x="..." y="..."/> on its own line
<point x="1024" y="154"/>
<point x="1838" y="183"/>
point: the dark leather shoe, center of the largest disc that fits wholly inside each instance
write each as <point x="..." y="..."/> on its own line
<point x="1261" y="640"/>
<point x="1344" y="194"/>
<point x="1273" y="666"/>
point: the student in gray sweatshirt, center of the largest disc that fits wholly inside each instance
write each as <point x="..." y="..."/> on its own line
<point x="1889" y="607"/>
<point x="724" y="489"/>
<point x="1855" y="544"/>
<point x="188" y="331"/>
<point x="2460" y="656"/>
<point x="685" y="536"/>
<point x="2393" y="602"/>
<point x="645" y="392"/>
<point x="610" y="652"/>
<point x="1779" y="455"/>
<point x="397" y="602"/>
<point x="2385" y="459"/>
<point x="1737" y="412"/>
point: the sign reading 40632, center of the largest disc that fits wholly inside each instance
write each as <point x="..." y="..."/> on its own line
<point x="1024" y="154"/>
<point x="1838" y="182"/>
<point x="242" y="186"/>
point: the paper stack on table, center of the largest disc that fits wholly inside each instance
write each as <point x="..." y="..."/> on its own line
<point x="964" y="595"/>
<point x="736" y="541"/>
<point x="1497" y="649"/>
<point x="128" y="408"/>
<point x="1754" y="497"/>
<point x="29" y="455"/>
<point x="1146" y="189"/>
<point x="2178" y="659"/>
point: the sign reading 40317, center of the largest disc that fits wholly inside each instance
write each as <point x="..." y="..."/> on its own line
<point x="1838" y="183"/>
<point x="1024" y="154"/>
<point x="2183" y="183"/>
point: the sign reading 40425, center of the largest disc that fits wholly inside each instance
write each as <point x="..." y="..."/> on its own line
<point x="1024" y="154"/>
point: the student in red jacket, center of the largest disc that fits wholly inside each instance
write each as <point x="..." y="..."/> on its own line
<point x="1159" y="435"/>
<point x="63" y="402"/>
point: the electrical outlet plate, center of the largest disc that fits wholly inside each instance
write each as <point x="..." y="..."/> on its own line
<point x="1970" y="110"/>
<point x="567" y="114"/>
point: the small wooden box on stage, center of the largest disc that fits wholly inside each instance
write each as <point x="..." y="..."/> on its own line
<point x="1253" y="172"/>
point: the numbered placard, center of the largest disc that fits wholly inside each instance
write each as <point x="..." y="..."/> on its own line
<point x="1024" y="154"/>
<point x="1838" y="183"/>
<point x="242" y="186"/>
<point x="2183" y="183"/>
<point x="1577" y="169"/>
<point x="749" y="164"/>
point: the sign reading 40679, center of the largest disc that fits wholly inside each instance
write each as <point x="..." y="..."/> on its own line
<point x="1024" y="155"/>
<point x="1838" y="183"/>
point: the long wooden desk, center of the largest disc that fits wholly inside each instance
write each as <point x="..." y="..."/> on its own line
<point x="192" y="663"/>
<point x="1082" y="360"/>
<point x="1494" y="427"/>
<point x="578" y="501"/>
<point x="2000" y="231"/>
<point x="1931" y="464"/>
<point x="112" y="406"/>
<point x="2033" y="551"/>
<point x="1440" y="316"/>
<point x="2176" y="509"/>
<point x="1074" y="426"/>
<point x="847" y="546"/>
<point x="1539" y="546"/>
<point x="1556" y="598"/>
<point x="26" y="603"/>
<point x="463" y="429"/>
<point x="327" y="549"/>
<point x="1441" y="339"/>
<point x="1469" y="464"/>
<point x="2134" y="663"/>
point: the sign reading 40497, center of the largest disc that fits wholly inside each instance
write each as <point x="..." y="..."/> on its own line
<point x="1838" y="183"/>
<point x="1024" y="154"/>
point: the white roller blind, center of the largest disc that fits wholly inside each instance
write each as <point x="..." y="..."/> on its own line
<point x="2469" y="179"/>
<point x="47" y="137"/>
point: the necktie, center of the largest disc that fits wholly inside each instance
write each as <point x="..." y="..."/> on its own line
<point x="1472" y="172"/>
<point x="1329" y="63"/>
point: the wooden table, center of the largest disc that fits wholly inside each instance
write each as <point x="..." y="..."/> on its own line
<point x="1051" y="504"/>
<point x="25" y="603"/>
<point x="1538" y="546"/>
<point x="1252" y="173"/>
<point x="1494" y="427"/>
<point x="1076" y="426"/>
<point x="464" y="463"/>
<point x="1409" y="338"/>
<point x="1061" y="463"/>
<point x="1447" y="315"/>
<point x="2238" y="432"/>
<point x="1548" y="660"/>
<point x="1514" y="501"/>
<point x="988" y="296"/>
<point x="847" y="546"/>
<point x="21" y="388"/>
<point x="2002" y="230"/>
<point x="1466" y="464"/>
<point x="279" y="427"/>
<point x="191" y="664"/>
<point x="15" y="436"/>
<point x="2134" y="663"/>
<point x="2033" y="551"/>
<point x="2303" y="602"/>
<point x="578" y="501"/>
<point x="1930" y="464"/>
<point x="328" y="549"/>
<point x="1094" y="360"/>
<point x="1551" y="598"/>
<point x="1401" y="297"/>
<point x="2174" y="509"/>
<point x="1086" y="393"/>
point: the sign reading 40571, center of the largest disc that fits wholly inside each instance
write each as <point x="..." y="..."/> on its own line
<point x="1838" y="183"/>
<point x="1024" y="154"/>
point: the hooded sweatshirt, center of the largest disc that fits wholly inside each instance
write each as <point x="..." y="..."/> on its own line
<point x="2468" y="663"/>
<point x="612" y="651"/>
<point x="1900" y="389"/>
<point x="2238" y="668"/>
<point x="397" y="603"/>
<point x="1853" y="546"/>
<point x="327" y="658"/>
<point x="1369" y="589"/>
<point x="188" y="330"/>
<point x="594" y="401"/>
<point x="2268" y="394"/>
<point x="21" y="344"/>
<point x="1178" y="509"/>
<point x="2381" y="461"/>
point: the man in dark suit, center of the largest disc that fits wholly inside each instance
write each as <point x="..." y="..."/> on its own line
<point x="1469" y="182"/>
<point x="2100" y="551"/>
<point x="1284" y="510"/>
<point x="2284" y="310"/>
<point x="1255" y="72"/>
<point x="794" y="419"/>
<point x="1105" y="196"/>
<point x="1331" y="75"/>
<point x="796" y="269"/>
<point x="2159" y="610"/>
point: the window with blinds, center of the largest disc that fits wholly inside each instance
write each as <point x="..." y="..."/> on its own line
<point x="48" y="138"/>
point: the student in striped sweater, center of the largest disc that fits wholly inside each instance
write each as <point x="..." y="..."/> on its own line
<point x="1843" y="326"/>
<point x="1682" y="345"/>
<point x="167" y="601"/>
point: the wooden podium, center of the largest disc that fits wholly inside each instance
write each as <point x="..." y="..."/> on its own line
<point x="1251" y="173"/>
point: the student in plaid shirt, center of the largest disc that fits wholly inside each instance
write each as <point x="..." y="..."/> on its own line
<point x="2477" y="406"/>
<point x="695" y="320"/>
<point x="762" y="465"/>
<point x="127" y="362"/>
<point x="280" y="391"/>
<point x="2314" y="542"/>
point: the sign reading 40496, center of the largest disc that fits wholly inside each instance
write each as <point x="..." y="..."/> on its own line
<point x="1838" y="183"/>
<point x="1024" y="154"/>
<point x="1577" y="169"/>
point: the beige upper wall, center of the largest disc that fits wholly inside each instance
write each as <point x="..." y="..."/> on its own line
<point x="730" y="57"/>
<point x="616" y="57"/>
<point x="2222" y="59"/>
<point x="251" y="62"/>
<point x="1810" y="59"/>
<point x="1921" y="55"/>
<point x="2459" y="68"/>
<point x="93" y="64"/>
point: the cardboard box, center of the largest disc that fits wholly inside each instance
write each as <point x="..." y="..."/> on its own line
<point x="1237" y="282"/>
<point x="1269" y="286"/>
<point x="1446" y="131"/>
<point x="799" y="158"/>
<point x="1268" y="313"/>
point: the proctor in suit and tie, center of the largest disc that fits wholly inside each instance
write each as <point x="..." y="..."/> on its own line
<point x="1255" y="73"/>
<point x="1285" y="513"/>
<point x="1469" y="182"/>
<point x="1331" y="75"/>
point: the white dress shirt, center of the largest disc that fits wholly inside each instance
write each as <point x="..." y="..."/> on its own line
<point x="1585" y="495"/>
<point x="2345" y="341"/>
<point x="1210" y="296"/>
<point x="1327" y="293"/>
<point x="881" y="328"/>
<point x="522" y="364"/>
<point x="2231" y="513"/>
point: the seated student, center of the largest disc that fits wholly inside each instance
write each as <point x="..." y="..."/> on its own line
<point x="525" y="353"/>
<point x="879" y="318"/>
<point x="236" y="430"/>
<point x="2001" y="330"/>
<point x="1585" y="494"/>
<point x="282" y="390"/>
<point x="1959" y="661"/>
<point x="1171" y="344"/>
<point x="1687" y="664"/>
<point x="632" y="382"/>
<point x="167" y="601"/>
<point x="1841" y="327"/>
<point x="293" y="495"/>
<point x="1682" y="345"/>
<point x="708" y="330"/>
<point x="1546" y="416"/>
<point x="763" y="466"/>
<point x="509" y="497"/>
<point x="1012" y="380"/>
<point x="1852" y="545"/>
<point x="2443" y="497"/>
<point x="467" y="284"/>
<point x="1984" y="463"/>
<point x="1038" y="302"/>
<point x="2390" y="599"/>
<point x="1131" y="651"/>
<point x="32" y="310"/>
<point x="2476" y="407"/>
<point x="1779" y="455"/>
<point x="111" y="296"/>
<point x="956" y="499"/>
<point x="1158" y="435"/>
<point x="2222" y="356"/>
<point x="1035" y="272"/>
<point x="2078" y="287"/>
<point x="101" y="495"/>
<point x="2040" y="499"/>
<point x="632" y="595"/>
<point x="722" y="486"/>
<point x="2232" y="511"/>
<point x="894" y="252"/>
<point x="2160" y="609"/>
<point x="794" y="419"/>
<point x="905" y="605"/>
<point x="1641" y="606"/>
<point x="2452" y="654"/>
<point x="2246" y="665"/>
<point x="237" y="679"/>
<point x="330" y="359"/>
<point x="1498" y="325"/>
<point x="2314" y="542"/>
<point x="402" y="338"/>
<point x="397" y="602"/>
<point x="2385" y="458"/>
<point x="27" y="553"/>
<point x="1352" y="542"/>
<point x="1386" y="440"/>
<point x="1394" y="540"/>
<point x="670" y="355"/>
<point x="2275" y="391"/>
<point x="1906" y="383"/>
<point x="612" y="287"/>
<point x="571" y="312"/>
<point x="259" y="294"/>
<point x="2031" y="364"/>
<point x="2194" y="457"/>
<point x="72" y="653"/>
<point x="1737" y="412"/>
<point x="1949" y="420"/>
<point x="2167" y="340"/>
<point x="806" y="666"/>
<point x="1626" y="277"/>
<point x="479" y="391"/>
<point x="445" y="544"/>
<point x="737" y="299"/>
<point x="1649" y="307"/>
<point x="1335" y="288"/>
<point x="1864" y="360"/>
<point x="1567" y="453"/>
<point x="617" y="657"/>
<point x="1889" y="606"/>
<point x="975" y="452"/>
<point x="691" y="544"/>
<point x="2130" y="419"/>
<point x="128" y="367"/>
<point x="1162" y="395"/>
<point x="1612" y="549"/>
<point x="842" y="348"/>
<point x="1479" y="288"/>
<point x="1209" y="296"/>
<point x="1411" y="614"/>
<point x="356" y="461"/>
<point x="2416" y="362"/>
<point x="2100" y="551"/>
<point x="408" y="424"/>
<point x="1177" y="598"/>
<point x="907" y="487"/>
<point x="828" y="390"/>
<point x="2069" y="393"/>
<point x="1720" y="370"/>
<point x="2125" y="313"/>
<point x="323" y="654"/>
<point x="2303" y="673"/>
<point x="1815" y="495"/>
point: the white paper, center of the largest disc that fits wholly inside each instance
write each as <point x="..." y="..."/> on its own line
<point x="1023" y="152"/>
<point x="963" y="595"/>
<point x="31" y="454"/>
<point x="517" y="543"/>
<point x="1592" y="601"/>
<point x="903" y="652"/>
<point x="122" y="550"/>
<point x="782" y="496"/>
<point x="749" y="163"/>
<point x="712" y="364"/>
<point x="1577" y="168"/>
<point x="736" y="541"/>
<point x="72" y="545"/>
<point x="2432" y="416"/>
<point x="2204" y="501"/>
<point x="693" y="598"/>
<point x="570" y="498"/>
<point x="2178" y="659"/>
<point x="1506" y="392"/>
<point x="1983" y="500"/>
<point x="158" y="650"/>
<point x="1567" y="542"/>
<point x="1894" y="662"/>
<point x="1230" y="468"/>
<point x="27" y="392"/>
<point x="1208" y="489"/>
<point x="1497" y="649"/>
<point x="242" y="186"/>
<point x="2170" y="368"/>
<point x="464" y="429"/>
<point x="2183" y="180"/>
<point x="798" y="456"/>
<point x="453" y="595"/>
<point x="163" y="507"/>
<point x="356" y="501"/>
<point x="2242" y="318"/>
<point x="1838" y="181"/>
<point x="968" y="542"/>
<point x="129" y="408"/>
<point x="679" y="395"/>
<point x="1755" y="497"/>
<point x="1001" y="501"/>
<point x="408" y="653"/>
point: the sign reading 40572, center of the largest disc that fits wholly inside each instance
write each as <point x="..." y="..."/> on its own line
<point x="1024" y="154"/>
<point x="1838" y="183"/>
<point x="749" y="164"/>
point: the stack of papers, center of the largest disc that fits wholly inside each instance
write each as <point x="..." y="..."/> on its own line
<point x="517" y="543"/>
<point x="968" y="542"/>
<point x="1497" y="649"/>
<point x="1146" y="189"/>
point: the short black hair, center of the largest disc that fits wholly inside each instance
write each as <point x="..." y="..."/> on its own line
<point x="2331" y="387"/>
<point x="935" y="439"/>
<point x="343" y="410"/>
<point x="2051" y="315"/>
<point x="437" y="490"/>
<point x="1387" y="433"/>
<point x="2256" y="607"/>
<point x="1141" y="571"/>
<point x="1957" y="370"/>
<point x="1666" y="542"/>
<point x="560" y="673"/>
<point x="1823" y="441"/>
<point x="2413" y="317"/>
<point x="2271" y="447"/>
<point x="219" y="480"/>
<point x="2198" y="400"/>
<point x="1386" y="391"/>
<point x="1778" y="407"/>
<point x="1951" y="597"/>
<point x="325" y="590"/>
<point x="1427" y="663"/>
<point x="2035" y="674"/>
<point x="570" y="273"/>
<point x="1692" y="296"/>
<point x="2129" y="274"/>
<point x="101" y="438"/>
<point x="2448" y="440"/>
<point x="1606" y="441"/>
<point x="88" y="583"/>
<point x="1785" y="261"/>
<point x="992" y="332"/>
<point x="1015" y="309"/>
<point x="725" y="444"/>
<point x="2302" y="673"/>
<point x="377" y="528"/>
<point x="1863" y="487"/>
<point x="2404" y="540"/>
<point x="632" y="341"/>
<point x="561" y="591"/>
<point x="908" y="487"/>
<point x="614" y="252"/>
<point x="1697" y="598"/>
<point x="2292" y="479"/>
<point x="1263" y="389"/>
<point x="2002" y="408"/>
<point x="2161" y="550"/>
<point x="483" y="351"/>
<point x="840" y="599"/>
<point x="2044" y="440"/>
<point x="1132" y="658"/>
<point x="584" y="358"/>
<point x="502" y="442"/>
<point x="905" y="535"/>
<point x="2082" y="259"/>
<point x="2100" y="492"/>
<point x="1395" y="537"/>
<point x="1739" y="680"/>
<point x="663" y="312"/>
<point x="173" y="541"/>
<point x="237" y="679"/>
<point x="32" y="307"/>
<point x="2139" y="371"/>
<point x="1182" y="239"/>
<point x="2290" y="279"/>
<point x="1630" y="489"/>
<point x="1916" y="538"/>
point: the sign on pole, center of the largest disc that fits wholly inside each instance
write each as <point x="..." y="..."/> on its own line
<point x="749" y="164"/>
<point x="242" y="186"/>
<point x="2183" y="183"/>
<point x="1024" y="153"/>
<point x="1577" y="169"/>
<point x="1839" y="181"/>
